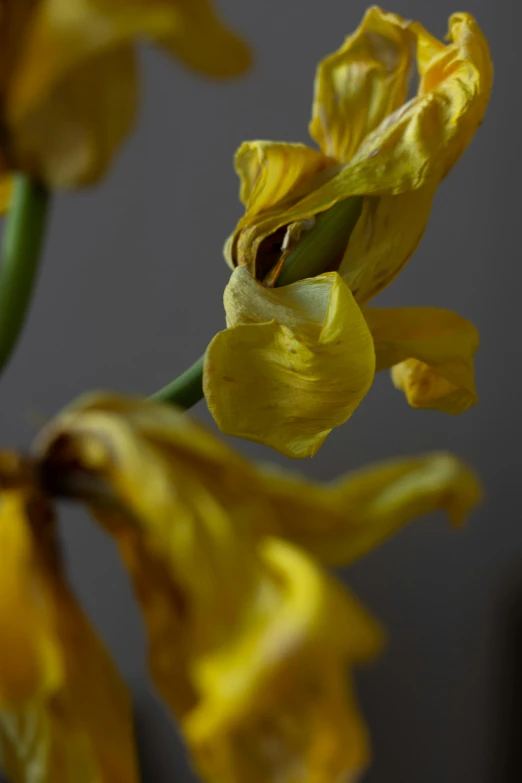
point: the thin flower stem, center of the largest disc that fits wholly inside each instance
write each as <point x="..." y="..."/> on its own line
<point x="312" y="255"/>
<point x="186" y="390"/>
<point x="19" y="259"/>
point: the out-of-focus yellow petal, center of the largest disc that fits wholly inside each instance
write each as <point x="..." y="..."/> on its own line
<point x="65" y="715"/>
<point x="6" y="192"/>
<point x="71" y="85"/>
<point x="66" y="34"/>
<point x="384" y="239"/>
<point x="361" y="84"/>
<point x="413" y="147"/>
<point x="431" y="352"/>
<point x="203" y="42"/>
<point x="71" y="137"/>
<point x="279" y="704"/>
<point x="249" y="642"/>
<point x="30" y="657"/>
<point x="191" y="551"/>
<point x="344" y="520"/>
<point x="294" y="363"/>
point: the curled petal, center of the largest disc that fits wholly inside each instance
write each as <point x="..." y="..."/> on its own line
<point x="361" y="84"/>
<point x="384" y="239"/>
<point x="179" y="516"/>
<point x="431" y="354"/>
<point x="268" y="172"/>
<point x="342" y="521"/>
<point x="412" y="148"/>
<point x="294" y="363"/>
<point x="65" y="715"/>
<point x="249" y="642"/>
<point x="278" y="703"/>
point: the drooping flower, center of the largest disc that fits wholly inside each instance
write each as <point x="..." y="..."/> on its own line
<point x="65" y="715"/>
<point x="309" y="346"/>
<point x="250" y="640"/>
<point x="69" y="82"/>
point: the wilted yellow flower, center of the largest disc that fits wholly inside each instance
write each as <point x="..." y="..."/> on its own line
<point x="69" y="79"/>
<point x="65" y="715"/>
<point x="250" y="641"/>
<point x="308" y="347"/>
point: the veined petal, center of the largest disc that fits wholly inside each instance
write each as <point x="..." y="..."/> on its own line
<point x="385" y="237"/>
<point x="361" y="84"/>
<point x="413" y="147"/>
<point x="342" y="521"/>
<point x="65" y="715"/>
<point x="294" y="363"/>
<point x="278" y="704"/>
<point x="431" y="352"/>
<point x="269" y="172"/>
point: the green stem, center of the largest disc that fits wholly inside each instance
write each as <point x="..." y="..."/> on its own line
<point x="314" y="253"/>
<point x="186" y="390"/>
<point x="21" y="251"/>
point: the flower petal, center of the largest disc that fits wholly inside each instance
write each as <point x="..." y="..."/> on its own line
<point x="294" y="363"/>
<point x="268" y="172"/>
<point x="279" y="704"/>
<point x="342" y="521"/>
<point x="431" y="352"/>
<point x="203" y="42"/>
<point x="180" y="519"/>
<point x="361" y="84"/>
<point x="249" y="640"/>
<point x="384" y="239"/>
<point x="70" y="138"/>
<point x="65" y="715"/>
<point x="412" y="148"/>
<point x="74" y="79"/>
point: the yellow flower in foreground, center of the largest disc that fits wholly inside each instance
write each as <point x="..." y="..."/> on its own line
<point x="69" y="77"/>
<point x="65" y="715"/>
<point x="250" y="641"/>
<point x="308" y="347"/>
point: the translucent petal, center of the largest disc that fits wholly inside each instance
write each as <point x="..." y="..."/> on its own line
<point x="294" y="363"/>
<point x="431" y="352"/>
<point x="361" y="84"/>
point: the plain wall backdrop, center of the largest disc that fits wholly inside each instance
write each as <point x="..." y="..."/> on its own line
<point x="131" y="291"/>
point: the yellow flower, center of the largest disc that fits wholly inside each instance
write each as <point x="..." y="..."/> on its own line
<point x="69" y="78"/>
<point x="250" y="641"/>
<point x="308" y="347"/>
<point x="65" y="715"/>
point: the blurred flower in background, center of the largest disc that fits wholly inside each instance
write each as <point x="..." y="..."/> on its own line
<point x="69" y="77"/>
<point x="251" y="641"/>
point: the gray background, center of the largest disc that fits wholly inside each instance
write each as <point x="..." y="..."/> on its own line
<point x="130" y="294"/>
